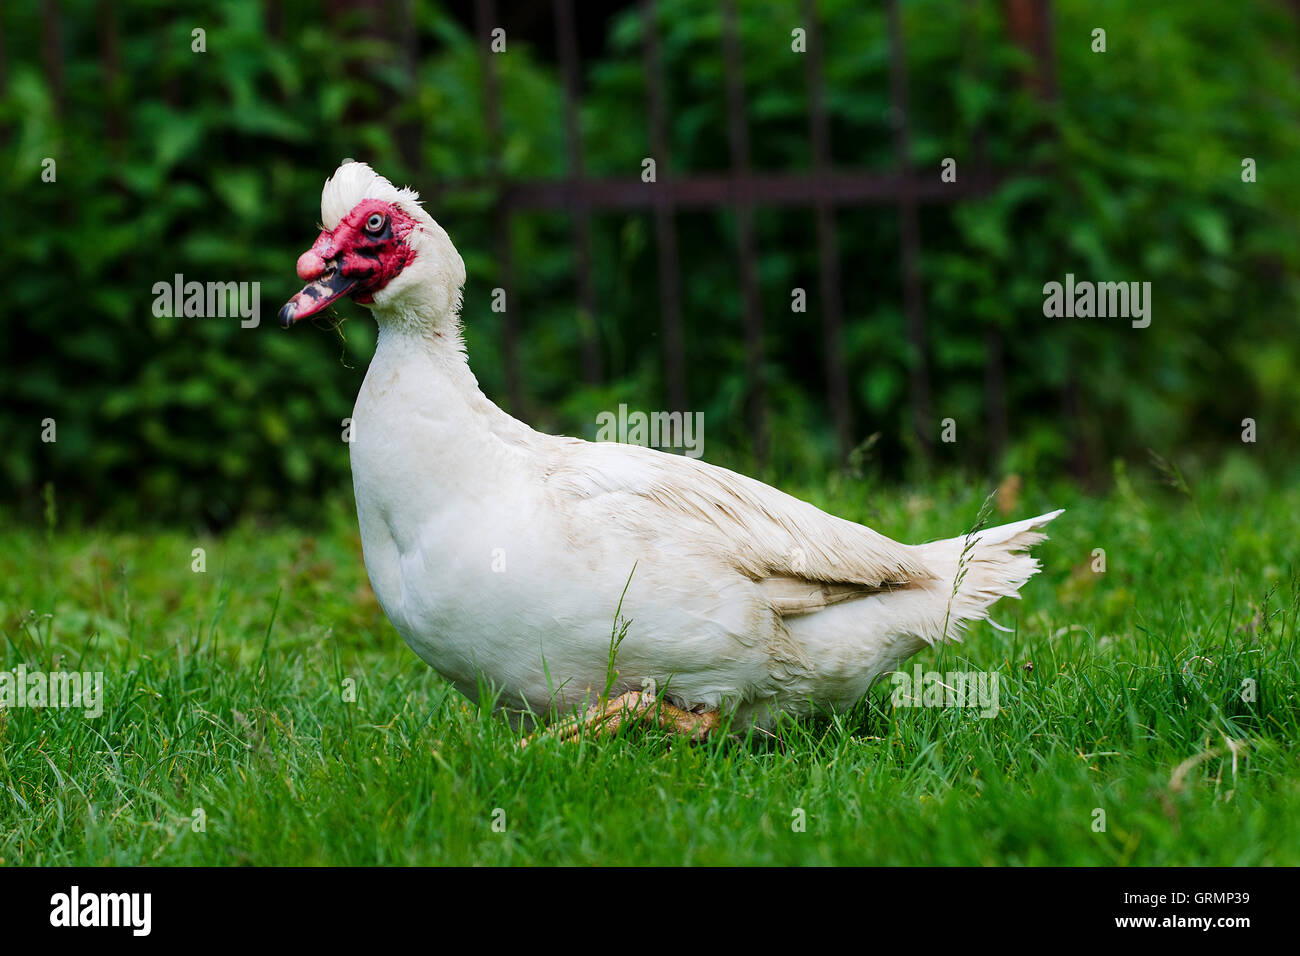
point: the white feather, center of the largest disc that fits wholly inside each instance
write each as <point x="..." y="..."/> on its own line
<point x="353" y="182"/>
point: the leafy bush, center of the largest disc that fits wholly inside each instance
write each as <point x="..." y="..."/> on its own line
<point x="209" y="165"/>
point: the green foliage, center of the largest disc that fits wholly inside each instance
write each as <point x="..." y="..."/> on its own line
<point x="209" y="165"/>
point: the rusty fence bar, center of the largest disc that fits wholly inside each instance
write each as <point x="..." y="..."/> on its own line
<point x="486" y="20"/>
<point x="409" y="132"/>
<point x="828" y="252"/>
<point x="909" y="231"/>
<point x="711" y="190"/>
<point x="670" y="292"/>
<point x="747" y="241"/>
<point x="567" y="44"/>
<point x="995" y="370"/>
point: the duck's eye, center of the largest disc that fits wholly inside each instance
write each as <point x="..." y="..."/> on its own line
<point x="375" y="223"/>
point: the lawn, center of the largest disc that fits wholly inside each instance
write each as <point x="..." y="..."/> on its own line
<point x="1162" y="692"/>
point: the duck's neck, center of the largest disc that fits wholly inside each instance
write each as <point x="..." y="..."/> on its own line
<point x="429" y="374"/>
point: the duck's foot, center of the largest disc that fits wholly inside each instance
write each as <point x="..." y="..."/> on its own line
<point x="608" y="716"/>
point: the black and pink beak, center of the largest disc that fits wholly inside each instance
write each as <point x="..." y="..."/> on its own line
<point x="325" y="285"/>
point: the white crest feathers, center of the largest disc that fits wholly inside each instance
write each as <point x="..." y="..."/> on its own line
<point x="353" y="182"/>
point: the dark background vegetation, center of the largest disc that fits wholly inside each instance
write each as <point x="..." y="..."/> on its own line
<point x="211" y="164"/>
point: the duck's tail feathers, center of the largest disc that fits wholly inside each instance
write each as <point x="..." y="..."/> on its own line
<point x="980" y="568"/>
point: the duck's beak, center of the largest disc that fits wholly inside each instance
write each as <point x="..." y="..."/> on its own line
<point x="317" y="295"/>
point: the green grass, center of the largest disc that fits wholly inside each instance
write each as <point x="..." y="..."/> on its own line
<point x="223" y="692"/>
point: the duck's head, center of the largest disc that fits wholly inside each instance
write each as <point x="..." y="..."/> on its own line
<point x="380" y="247"/>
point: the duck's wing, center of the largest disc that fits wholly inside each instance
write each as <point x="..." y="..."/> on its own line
<point x="804" y="558"/>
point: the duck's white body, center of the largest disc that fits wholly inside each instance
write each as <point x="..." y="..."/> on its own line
<point x="501" y="554"/>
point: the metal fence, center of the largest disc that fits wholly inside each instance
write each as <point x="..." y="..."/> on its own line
<point x="822" y="190"/>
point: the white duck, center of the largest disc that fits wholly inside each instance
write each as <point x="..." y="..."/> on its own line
<point x="502" y="553"/>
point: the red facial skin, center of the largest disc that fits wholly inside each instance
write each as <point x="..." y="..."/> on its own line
<point x="352" y="260"/>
